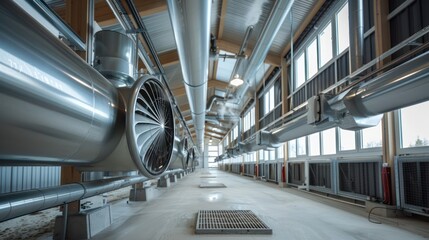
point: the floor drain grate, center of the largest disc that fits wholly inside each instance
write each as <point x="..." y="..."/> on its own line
<point x="212" y="185"/>
<point x="230" y="221"/>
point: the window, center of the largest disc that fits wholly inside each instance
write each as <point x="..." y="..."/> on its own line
<point x="212" y="154"/>
<point x="220" y="149"/>
<point x="272" y="155"/>
<point x="371" y="137"/>
<point x="325" y="45"/>
<point x="347" y="140"/>
<point x="235" y="132"/>
<point x="252" y="117"/>
<point x="414" y="130"/>
<point x="261" y="155"/>
<point x="314" y="144"/>
<point x="343" y="28"/>
<point x="299" y="71"/>
<point x="312" y="59"/>
<point x="266" y="155"/>
<point x="280" y="152"/>
<point x="249" y="120"/>
<point x="292" y="148"/>
<point x="269" y="100"/>
<point x="301" y="146"/>
<point x="329" y="142"/>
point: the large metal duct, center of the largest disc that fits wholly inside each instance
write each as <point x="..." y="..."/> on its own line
<point x="272" y="26"/>
<point x="191" y="26"/>
<point x="356" y="34"/>
<point x="56" y="109"/>
<point x="358" y="107"/>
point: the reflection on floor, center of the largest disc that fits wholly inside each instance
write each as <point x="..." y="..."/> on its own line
<point x="289" y="213"/>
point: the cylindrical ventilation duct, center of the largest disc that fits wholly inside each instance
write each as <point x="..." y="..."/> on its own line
<point x="62" y="111"/>
<point x="356" y="34"/>
<point x="115" y="57"/>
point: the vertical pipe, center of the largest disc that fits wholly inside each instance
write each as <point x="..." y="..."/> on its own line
<point x="356" y="34"/>
<point x="90" y="34"/>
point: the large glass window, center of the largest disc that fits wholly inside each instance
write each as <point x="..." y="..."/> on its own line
<point x="347" y="140"/>
<point x="299" y="71"/>
<point x="312" y="67"/>
<point x="329" y="142"/>
<point x="371" y="137"/>
<point x="414" y="130"/>
<point x="212" y="154"/>
<point x="343" y="28"/>
<point x="325" y="45"/>
<point x="291" y="148"/>
<point x="301" y="146"/>
<point x="280" y="152"/>
<point x="269" y="100"/>
<point x="314" y="144"/>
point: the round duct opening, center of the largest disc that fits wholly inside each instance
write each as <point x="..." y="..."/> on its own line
<point x="115" y="57"/>
<point x="150" y="127"/>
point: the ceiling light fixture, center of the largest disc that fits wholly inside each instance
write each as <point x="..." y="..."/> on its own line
<point x="236" y="81"/>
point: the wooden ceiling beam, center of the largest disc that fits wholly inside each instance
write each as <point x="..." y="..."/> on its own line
<point x="234" y="48"/>
<point x="169" y="58"/>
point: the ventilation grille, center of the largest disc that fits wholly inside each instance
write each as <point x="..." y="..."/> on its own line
<point x="361" y="178"/>
<point x="150" y="127"/>
<point x="415" y="185"/>
<point x="320" y="175"/>
<point x="296" y="174"/>
<point x="230" y="222"/>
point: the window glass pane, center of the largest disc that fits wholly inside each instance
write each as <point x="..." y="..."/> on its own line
<point x="252" y="117"/>
<point x="347" y="140"/>
<point x="266" y="103"/>
<point x="343" y="28"/>
<point x="272" y="155"/>
<point x="414" y="130"/>
<point x="325" y="43"/>
<point x="371" y="137"/>
<point x="271" y="98"/>
<point x="213" y="148"/>
<point x="314" y="144"/>
<point x="280" y="152"/>
<point x="292" y="148"/>
<point x="261" y="154"/>
<point x="299" y="70"/>
<point x="301" y="146"/>
<point x="329" y="142"/>
<point x="312" y="59"/>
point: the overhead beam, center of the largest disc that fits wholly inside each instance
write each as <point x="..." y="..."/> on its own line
<point x="222" y="19"/>
<point x="234" y="48"/>
<point x="212" y="83"/>
<point x="217" y="126"/>
<point x="104" y="17"/>
<point x="303" y="25"/>
<point x="169" y="58"/>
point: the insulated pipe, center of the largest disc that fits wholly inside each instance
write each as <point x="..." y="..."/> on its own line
<point x="16" y="204"/>
<point x="272" y="26"/>
<point x="356" y="27"/>
<point x="191" y="27"/>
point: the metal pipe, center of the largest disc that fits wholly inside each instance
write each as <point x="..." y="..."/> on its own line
<point x="16" y="204"/>
<point x="356" y="27"/>
<point x="191" y="27"/>
<point x="56" y="21"/>
<point x="272" y="26"/>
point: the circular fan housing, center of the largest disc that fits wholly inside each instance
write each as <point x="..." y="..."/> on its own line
<point x="150" y="126"/>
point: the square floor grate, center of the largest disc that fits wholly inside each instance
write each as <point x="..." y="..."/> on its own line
<point x="212" y="185"/>
<point x="230" y="222"/>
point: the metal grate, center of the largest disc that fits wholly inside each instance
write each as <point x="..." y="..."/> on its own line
<point x="230" y="222"/>
<point x="212" y="185"/>
<point x="415" y="187"/>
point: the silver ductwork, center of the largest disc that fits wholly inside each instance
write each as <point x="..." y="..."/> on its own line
<point x="60" y="111"/>
<point x="356" y="27"/>
<point x="356" y="108"/>
<point x="115" y="57"/>
<point x="191" y="27"/>
<point x="272" y="26"/>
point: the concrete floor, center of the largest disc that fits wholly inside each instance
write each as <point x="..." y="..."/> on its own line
<point x="291" y="214"/>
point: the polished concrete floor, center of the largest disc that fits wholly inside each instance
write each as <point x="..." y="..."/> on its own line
<point x="290" y="213"/>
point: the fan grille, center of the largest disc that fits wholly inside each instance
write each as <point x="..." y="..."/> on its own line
<point x="153" y="127"/>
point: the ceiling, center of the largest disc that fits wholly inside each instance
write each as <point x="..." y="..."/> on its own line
<point x="229" y="22"/>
